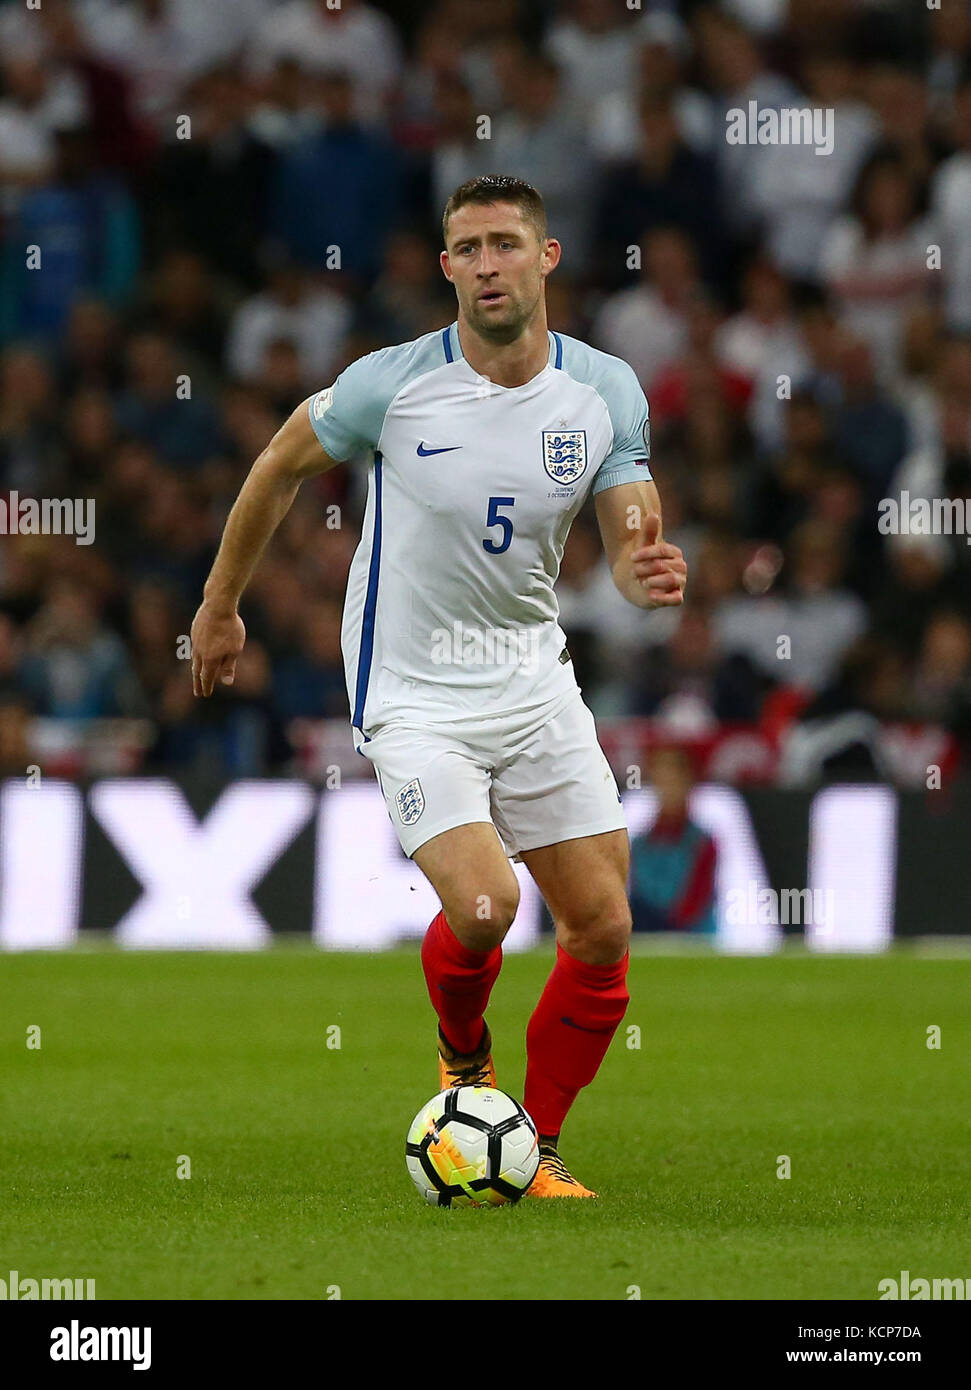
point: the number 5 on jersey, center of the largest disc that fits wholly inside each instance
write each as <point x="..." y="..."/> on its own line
<point x="494" y="519"/>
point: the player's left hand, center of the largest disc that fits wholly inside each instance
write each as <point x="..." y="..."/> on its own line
<point x="658" y="566"/>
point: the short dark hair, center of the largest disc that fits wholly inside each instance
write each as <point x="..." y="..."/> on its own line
<point x="498" y="188"/>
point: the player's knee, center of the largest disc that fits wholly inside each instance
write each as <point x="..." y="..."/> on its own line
<point x="598" y="937"/>
<point x="481" y="920"/>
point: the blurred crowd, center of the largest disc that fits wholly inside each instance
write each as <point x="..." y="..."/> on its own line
<point x="235" y="198"/>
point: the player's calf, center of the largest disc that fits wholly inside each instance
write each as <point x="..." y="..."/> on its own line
<point x="459" y="983"/>
<point x="462" y="952"/>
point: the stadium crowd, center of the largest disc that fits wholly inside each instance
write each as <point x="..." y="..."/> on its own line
<point x="235" y="198"/>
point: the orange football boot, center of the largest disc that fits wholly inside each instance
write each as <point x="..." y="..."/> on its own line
<point x="553" y="1178"/>
<point x="465" y="1069"/>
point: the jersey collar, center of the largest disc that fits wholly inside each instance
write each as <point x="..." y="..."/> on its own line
<point x="453" y="348"/>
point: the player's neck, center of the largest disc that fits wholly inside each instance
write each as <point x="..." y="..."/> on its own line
<point x="507" y="364"/>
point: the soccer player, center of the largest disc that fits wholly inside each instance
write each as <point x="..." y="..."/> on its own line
<point x="486" y="439"/>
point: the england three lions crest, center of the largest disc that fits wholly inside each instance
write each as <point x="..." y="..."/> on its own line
<point x="565" y="455"/>
<point x="410" y="802"/>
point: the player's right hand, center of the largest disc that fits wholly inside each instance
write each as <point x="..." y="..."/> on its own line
<point x="217" y="638"/>
<point x="658" y="566"/>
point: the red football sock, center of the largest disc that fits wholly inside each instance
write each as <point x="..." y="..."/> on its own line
<point x="569" y="1033"/>
<point x="459" y="983"/>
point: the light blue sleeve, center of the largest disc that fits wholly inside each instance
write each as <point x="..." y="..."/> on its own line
<point x="627" y="461"/>
<point x="348" y="417"/>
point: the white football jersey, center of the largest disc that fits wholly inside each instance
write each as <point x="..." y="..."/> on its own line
<point x="450" y="610"/>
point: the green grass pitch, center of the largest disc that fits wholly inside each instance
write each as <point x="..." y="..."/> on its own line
<point x="298" y="1182"/>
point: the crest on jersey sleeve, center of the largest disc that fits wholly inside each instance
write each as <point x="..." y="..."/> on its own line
<point x="410" y="802"/>
<point x="565" y="454"/>
<point x="323" y="402"/>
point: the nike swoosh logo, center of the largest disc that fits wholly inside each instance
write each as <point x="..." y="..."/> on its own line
<point x="424" y="453"/>
<point x="570" y="1022"/>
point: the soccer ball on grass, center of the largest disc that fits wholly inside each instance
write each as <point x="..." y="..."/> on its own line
<point x="472" y="1146"/>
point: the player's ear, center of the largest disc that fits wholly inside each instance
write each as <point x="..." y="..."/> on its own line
<point x="446" y="266"/>
<point x="551" y="255"/>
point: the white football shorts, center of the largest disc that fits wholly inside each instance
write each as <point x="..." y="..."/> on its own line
<point x="539" y="777"/>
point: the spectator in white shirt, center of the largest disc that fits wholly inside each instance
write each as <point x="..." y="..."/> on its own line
<point x="951" y="203"/>
<point x="763" y="342"/>
<point x="648" y="325"/>
<point x="820" y="617"/>
<point x="736" y="69"/>
<point x="458" y="154"/>
<point x="950" y="41"/>
<point x="595" y="47"/>
<point x="38" y="100"/>
<point x="152" y="43"/>
<point x="797" y="191"/>
<point x="875" y="262"/>
<point x="663" y="48"/>
<point x="543" y="140"/>
<point x="355" y="38"/>
<point x="312" y="317"/>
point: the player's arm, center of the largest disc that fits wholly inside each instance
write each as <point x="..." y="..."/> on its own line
<point x="218" y="634"/>
<point x="647" y="570"/>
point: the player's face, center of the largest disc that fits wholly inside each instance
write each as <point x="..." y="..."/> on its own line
<point x="498" y="265"/>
